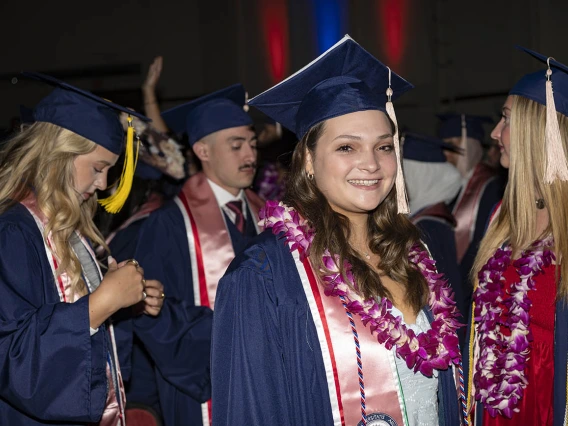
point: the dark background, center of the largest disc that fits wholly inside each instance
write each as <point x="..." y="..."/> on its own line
<point x="458" y="54"/>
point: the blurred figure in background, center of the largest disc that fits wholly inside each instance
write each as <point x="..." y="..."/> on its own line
<point x="275" y="147"/>
<point x="482" y="186"/>
<point x="432" y="184"/>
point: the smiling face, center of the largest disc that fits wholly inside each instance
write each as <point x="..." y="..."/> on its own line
<point x="229" y="157"/>
<point x="354" y="163"/>
<point x="90" y="171"/>
<point x="502" y="133"/>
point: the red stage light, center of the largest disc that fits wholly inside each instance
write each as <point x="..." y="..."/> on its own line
<point x="274" y="16"/>
<point x="392" y="15"/>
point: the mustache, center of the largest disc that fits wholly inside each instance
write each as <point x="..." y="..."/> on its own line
<point x="248" y="166"/>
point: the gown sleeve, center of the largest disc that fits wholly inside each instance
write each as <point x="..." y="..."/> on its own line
<point x="247" y="362"/>
<point x="179" y="342"/>
<point x="50" y="366"/>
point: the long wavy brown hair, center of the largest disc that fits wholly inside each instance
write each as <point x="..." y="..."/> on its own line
<point x="40" y="158"/>
<point x="391" y="234"/>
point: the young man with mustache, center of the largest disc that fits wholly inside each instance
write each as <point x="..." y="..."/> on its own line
<point x="190" y="242"/>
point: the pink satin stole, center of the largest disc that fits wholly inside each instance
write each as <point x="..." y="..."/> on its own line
<point x="111" y="414"/>
<point x="466" y="208"/>
<point x="213" y="242"/>
<point x="213" y="249"/>
<point x="380" y="385"/>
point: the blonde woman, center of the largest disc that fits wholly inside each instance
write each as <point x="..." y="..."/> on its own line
<point x="519" y="345"/>
<point x="57" y="352"/>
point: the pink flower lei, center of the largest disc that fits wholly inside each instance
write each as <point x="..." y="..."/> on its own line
<point x="499" y="375"/>
<point x="436" y="348"/>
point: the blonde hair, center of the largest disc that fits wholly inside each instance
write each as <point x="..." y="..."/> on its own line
<point x="42" y="157"/>
<point x="516" y="221"/>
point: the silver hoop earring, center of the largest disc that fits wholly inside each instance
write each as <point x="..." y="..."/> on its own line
<point x="310" y="176"/>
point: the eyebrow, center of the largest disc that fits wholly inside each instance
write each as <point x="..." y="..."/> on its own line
<point x="506" y="109"/>
<point x="104" y="162"/>
<point x="240" y="139"/>
<point x="358" y="138"/>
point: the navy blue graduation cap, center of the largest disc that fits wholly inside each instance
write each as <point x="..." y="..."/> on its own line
<point x="82" y="112"/>
<point x="426" y="149"/>
<point x="533" y="85"/>
<point x="538" y="86"/>
<point x="94" y="118"/>
<point x="216" y="111"/>
<point x="452" y="126"/>
<point x="344" y="79"/>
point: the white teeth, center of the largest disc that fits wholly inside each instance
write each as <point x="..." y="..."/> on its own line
<point x="364" y="182"/>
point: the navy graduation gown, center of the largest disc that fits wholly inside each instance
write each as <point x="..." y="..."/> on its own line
<point x="163" y="252"/>
<point x="439" y="236"/>
<point x="267" y="365"/>
<point x="173" y="342"/>
<point x="52" y="371"/>
<point x="492" y="194"/>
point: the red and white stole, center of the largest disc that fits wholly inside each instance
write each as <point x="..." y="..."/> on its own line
<point x="467" y="206"/>
<point x="113" y="413"/>
<point x="382" y="386"/>
<point x="209" y="242"/>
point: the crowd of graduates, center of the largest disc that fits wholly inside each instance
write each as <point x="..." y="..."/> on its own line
<point x="321" y="265"/>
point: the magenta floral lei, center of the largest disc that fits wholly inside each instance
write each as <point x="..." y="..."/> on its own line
<point x="499" y="375"/>
<point x="436" y="348"/>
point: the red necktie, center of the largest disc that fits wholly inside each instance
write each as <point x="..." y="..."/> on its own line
<point x="237" y="208"/>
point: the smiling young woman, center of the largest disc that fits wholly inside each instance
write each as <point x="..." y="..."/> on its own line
<point x="330" y="315"/>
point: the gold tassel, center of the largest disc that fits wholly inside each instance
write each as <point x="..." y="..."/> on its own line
<point x="556" y="167"/>
<point x="114" y="203"/>
<point x="401" y="197"/>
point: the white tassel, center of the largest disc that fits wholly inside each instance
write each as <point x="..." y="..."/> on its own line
<point x="556" y="167"/>
<point x="463" y="160"/>
<point x="401" y="197"/>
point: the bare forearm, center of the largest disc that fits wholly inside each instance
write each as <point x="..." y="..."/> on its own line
<point x="152" y="111"/>
<point x="99" y="309"/>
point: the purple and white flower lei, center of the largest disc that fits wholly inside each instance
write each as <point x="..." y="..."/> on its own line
<point x="436" y="348"/>
<point x="499" y="375"/>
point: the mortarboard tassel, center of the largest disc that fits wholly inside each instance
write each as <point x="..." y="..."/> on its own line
<point x="462" y="164"/>
<point x="114" y="203"/>
<point x="246" y="105"/>
<point x="556" y="167"/>
<point x="401" y="198"/>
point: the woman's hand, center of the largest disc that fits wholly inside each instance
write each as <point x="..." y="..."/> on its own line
<point x="153" y="76"/>
<point x="151" y="107"/>
<point x="154" y="297"/>
<point x="122" y="286"/>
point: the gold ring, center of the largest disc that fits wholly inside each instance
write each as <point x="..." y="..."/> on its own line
<point x="133" y="261"/>
<point x="163" y="296"/>
<point x="143" y="282"/>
